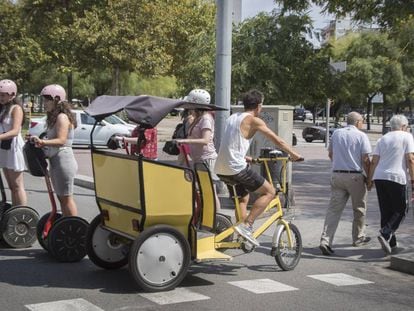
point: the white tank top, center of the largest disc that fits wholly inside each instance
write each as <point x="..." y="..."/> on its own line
<point x="233" y="147"/>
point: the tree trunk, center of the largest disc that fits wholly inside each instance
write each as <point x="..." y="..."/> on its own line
<point x="115" y="81"/>
<point x="369" y="105"/>
<point x="70" y="86"/>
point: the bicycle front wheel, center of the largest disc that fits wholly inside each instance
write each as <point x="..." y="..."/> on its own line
<point x="288" y="257"/>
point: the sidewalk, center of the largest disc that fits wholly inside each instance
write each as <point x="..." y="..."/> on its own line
<point x="311" y="192"/>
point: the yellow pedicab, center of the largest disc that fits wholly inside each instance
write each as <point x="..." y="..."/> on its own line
<point x="147" y="207"/>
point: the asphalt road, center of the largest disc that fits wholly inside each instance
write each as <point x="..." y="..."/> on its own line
<point x="353" y="279"/>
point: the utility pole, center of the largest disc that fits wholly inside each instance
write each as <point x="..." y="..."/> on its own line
<point x="223" y="64"/>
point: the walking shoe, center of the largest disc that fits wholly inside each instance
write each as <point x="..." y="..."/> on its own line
<point x="247" y="233"/>
<point x="361" y="241"/>
<point x="384" y="244"/>
<point x="326" y="250"/>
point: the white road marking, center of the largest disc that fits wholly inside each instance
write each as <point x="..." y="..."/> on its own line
<point x="177" y="295"/>
<point x="339" y="279"/>
<point x="64" y="305"/>
<point x="262" y="286"/>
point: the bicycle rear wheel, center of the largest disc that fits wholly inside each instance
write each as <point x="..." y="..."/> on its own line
<point x="288" y="257"/>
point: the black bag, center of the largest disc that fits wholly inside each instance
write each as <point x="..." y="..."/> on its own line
<point x="6" y="144"/>
<point x="180" y="131"/>
<point x="171" y="148"/>
<point x="35" y="159"/>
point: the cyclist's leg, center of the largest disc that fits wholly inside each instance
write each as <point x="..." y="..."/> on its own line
<point x="267" y="193"/>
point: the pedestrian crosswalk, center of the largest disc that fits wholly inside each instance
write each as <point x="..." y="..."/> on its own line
<point x="181" y="294"/>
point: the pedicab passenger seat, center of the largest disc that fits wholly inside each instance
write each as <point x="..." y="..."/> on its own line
<point x="206" y="250"/>
<point x="134" y="193"/>
<point x="35" y="159"/>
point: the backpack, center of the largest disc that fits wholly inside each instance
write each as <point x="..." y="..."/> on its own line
<point x="180" y="131"/>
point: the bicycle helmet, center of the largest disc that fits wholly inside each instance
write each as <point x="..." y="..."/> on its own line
<point x="198" y="96"/>
<point x="54" y="90"/>
<point x="9" y="87"/>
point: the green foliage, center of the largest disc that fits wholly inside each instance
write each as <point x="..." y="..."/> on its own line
<point x="271" y="53"/>
<point x="387" y="13"/>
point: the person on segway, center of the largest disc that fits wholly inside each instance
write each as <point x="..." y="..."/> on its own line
<point x="11" y="145"/>
<point x="60" y="131"/>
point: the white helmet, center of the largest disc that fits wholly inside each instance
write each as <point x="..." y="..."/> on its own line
<point x="54" y="90"/>
<point x="9" y="87"/>
<point x="198" y="96"/>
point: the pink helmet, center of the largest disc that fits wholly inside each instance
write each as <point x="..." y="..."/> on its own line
<point x="8" y="86"/>
<point x="54" y="90"/>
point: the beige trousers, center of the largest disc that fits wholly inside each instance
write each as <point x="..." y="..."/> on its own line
<point x="343" y="186"/>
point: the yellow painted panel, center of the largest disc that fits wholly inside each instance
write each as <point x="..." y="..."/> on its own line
<point x="168" y="196"/>
<point x="208" y="198"/>
<point x="120" y="219"/>
<point x="116" y="179"/>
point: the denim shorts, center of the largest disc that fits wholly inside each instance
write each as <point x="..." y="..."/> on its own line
<point x="246" y="181"/>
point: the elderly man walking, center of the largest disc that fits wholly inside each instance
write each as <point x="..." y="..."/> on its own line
<point x="349" y="152"/>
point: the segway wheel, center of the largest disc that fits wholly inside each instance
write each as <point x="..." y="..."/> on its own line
<point x="159" y="258"/>
<point x="39" y="229"/>
<point x="104" y="248"/>
<point x="19" y="226"/>
<point x="67" y="239"/>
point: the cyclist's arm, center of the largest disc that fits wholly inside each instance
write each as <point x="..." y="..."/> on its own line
<point x="259" y="125"/>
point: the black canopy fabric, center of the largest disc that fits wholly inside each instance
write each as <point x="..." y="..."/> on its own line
<point x="145" y="110"/>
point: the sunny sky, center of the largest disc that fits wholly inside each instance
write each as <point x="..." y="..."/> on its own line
<point x="252" y="7"/>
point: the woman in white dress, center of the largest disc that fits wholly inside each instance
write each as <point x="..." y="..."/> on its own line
<point x="11" y="145"/>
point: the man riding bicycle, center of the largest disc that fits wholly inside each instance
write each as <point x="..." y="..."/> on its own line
<point x="232" y="163"/>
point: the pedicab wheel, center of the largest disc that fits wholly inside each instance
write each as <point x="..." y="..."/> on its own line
<point x="288" y="257"/>
<point x="19" y="226"/>
<point x="159" y="258"/>
<point x="222" y="224"/>
<point x="67" y="239"/>
<point x="39" y="229"/>
<point x="104" y="248"/>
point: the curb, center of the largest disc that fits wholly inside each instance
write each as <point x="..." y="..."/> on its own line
<point x="403" y="263"/>
<point x="85" y="182"/>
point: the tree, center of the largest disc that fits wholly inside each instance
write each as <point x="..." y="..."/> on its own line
<point x="271" y="53"/>
<point x="385" y="12"/>
<point x="19" y="54"/>
<point x="372" y="67"/>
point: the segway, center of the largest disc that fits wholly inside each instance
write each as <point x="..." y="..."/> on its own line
<point x="63" y="237"/>
<point x="17" y="223"/>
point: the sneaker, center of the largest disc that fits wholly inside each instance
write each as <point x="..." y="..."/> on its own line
<point x="326" y="249"/>
<point x="361" y="241"/>
<point x="247" y="233"/>
<point x="384" y="244"/>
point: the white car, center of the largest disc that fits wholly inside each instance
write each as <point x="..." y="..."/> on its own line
<point x="308" y="115"/>
<point x="104" y="130"/>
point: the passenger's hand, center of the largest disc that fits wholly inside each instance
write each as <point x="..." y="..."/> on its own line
<point x="248" y="159"/>
<point x="119" y="138"/>
<point x="39" y="143"/>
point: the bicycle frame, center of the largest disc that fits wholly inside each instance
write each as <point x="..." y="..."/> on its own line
<point x="276" y="217"/>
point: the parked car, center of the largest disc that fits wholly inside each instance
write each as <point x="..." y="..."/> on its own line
<point x="109" y="127"/>
<point x="318" y="131"/>
<point x="299" y="114"/>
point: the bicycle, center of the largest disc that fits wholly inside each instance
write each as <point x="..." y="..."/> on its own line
<point x="286" y="242"/>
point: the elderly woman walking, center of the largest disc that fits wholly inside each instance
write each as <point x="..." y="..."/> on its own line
<point x="392" y="157"/>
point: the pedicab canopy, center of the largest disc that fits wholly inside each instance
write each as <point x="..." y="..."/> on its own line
<point x="145" y="110"/>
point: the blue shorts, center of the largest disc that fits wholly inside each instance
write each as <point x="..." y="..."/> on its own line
<point x="246" y="181"/>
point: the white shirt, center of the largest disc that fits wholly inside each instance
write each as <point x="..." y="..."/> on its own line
<point x="392" y="149"/>
<point x="348" y="145"/>
<point x="233" y="147"/>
